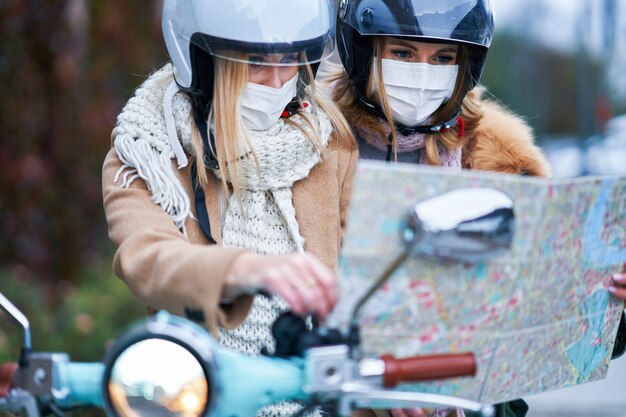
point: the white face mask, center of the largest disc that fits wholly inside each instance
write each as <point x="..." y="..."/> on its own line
<point x="261" y="106"/>
<point x="415" y="90"/>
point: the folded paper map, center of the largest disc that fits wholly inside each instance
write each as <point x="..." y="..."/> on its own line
<point x="538" y="318"/>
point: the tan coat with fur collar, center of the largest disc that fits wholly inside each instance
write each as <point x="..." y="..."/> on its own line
<point x="498" y="141"/>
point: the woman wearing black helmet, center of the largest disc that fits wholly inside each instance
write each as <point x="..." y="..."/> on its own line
<point x="230" y="173"/>
<point x="408" y="91"/>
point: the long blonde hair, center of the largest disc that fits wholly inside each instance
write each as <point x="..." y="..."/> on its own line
<point x="345" y="97"/>
<point x="231" y="77"/>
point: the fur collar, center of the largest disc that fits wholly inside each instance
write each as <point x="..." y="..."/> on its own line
<point x="504" y="142"/>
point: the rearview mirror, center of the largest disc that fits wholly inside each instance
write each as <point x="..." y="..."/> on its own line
<point x="467" y="224"/>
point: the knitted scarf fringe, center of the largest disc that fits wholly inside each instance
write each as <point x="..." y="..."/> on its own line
<point x="141" y="159"/>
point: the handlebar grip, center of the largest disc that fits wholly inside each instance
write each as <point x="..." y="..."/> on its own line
<point x="427" y="367"/>
<point x="7" y="370"/>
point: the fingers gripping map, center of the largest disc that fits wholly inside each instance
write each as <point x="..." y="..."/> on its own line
<point x="538" y="318"/>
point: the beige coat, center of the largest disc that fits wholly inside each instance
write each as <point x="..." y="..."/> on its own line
<point x="167" y="270"/>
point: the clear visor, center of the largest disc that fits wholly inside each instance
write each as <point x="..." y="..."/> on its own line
<point x="464" y="21"/>
<point x="270" y="54"/>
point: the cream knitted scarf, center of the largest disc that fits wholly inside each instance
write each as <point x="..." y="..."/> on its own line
<point x="146" y="139"/>
<point x="265" y="221"/>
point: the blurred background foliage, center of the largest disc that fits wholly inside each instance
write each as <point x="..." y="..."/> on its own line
<point x="540" y="83"/>
<point x="66" y="69"/>
<point x="85" y="322"/>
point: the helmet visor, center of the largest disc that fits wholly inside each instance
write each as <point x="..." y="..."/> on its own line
<point x="464" y="21"/>
<point x="301" y="52"/>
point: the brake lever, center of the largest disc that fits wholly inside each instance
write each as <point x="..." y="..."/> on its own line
<point x="17" y="401"/>
<point x="356" y="395"/>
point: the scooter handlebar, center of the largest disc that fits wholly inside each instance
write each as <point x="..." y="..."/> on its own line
<point x="427" y="367"/>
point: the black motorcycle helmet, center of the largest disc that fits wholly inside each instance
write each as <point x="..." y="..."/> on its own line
<point x="466" y="22"/>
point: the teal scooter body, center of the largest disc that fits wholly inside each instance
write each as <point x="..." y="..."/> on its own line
<point x="238" y="385"/>
<point x="249" y="383"/>
<point x="78" y="383"/>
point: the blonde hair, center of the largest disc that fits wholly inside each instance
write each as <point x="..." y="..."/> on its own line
<point x="231" y="77"/>
<point x="375" y="91"/>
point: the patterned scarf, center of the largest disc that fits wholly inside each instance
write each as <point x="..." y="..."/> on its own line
<point x="407" y="143"/>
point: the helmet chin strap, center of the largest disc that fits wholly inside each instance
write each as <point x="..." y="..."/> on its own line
<point x="409" y="130"/>
<point x="441" y="127"/>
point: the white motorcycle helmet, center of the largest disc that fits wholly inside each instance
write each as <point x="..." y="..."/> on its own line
<point x="195" y="31"/>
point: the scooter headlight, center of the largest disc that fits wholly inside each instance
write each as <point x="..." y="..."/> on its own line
<point x="162" y="367"/>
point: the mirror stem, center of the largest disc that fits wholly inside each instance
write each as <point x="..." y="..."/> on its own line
<point x="20" y="319"/>
<point x="391" y="268"/>
<point x="354" y="338"/>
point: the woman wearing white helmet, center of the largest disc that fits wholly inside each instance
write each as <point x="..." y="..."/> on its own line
<point x="230" y="173"/>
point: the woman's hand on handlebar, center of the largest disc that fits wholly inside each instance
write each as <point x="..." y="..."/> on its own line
<point x="306" y="284"/>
